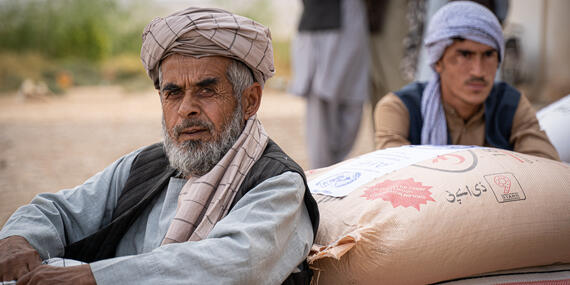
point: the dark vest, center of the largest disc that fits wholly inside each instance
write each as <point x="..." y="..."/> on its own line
<point x="500" y="108"/>
<point x="149" y="176"/>
<point x="320" y="15"/>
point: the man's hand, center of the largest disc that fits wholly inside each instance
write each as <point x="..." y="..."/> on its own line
<point x="47" y="274"/>
<point x="17" y="257"/>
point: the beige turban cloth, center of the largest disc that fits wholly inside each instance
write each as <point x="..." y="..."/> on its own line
<point x="200" y="32"/>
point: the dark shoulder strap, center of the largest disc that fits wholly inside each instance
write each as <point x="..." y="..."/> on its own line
<point x="149" y="175"/>
<point x="411" y="95"/>
<point x="500" y="108"/>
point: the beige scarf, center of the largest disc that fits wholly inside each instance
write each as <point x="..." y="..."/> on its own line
<point x="214" y="192"/>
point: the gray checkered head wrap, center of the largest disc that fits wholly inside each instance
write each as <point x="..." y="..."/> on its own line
<point x="200" y="32"/>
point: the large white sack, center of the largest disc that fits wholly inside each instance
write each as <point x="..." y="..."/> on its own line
<point x="461" y="213"/>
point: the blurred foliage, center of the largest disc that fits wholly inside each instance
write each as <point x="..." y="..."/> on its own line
<point x="85" y="29"/>
<point x="282" y="56"/>
<point x="258" y="10"/>
<point x="14" y="68"/>
<point x="61" y="28"/>
<point x="122" y="67"/>
<point x="49" y="40"/>
<point x="126" y="70"/>
<point x="82" y="42"/>
<point x="60" y="74"/>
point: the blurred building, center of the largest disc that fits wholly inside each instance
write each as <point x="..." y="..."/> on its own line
<point x="542" y="27"/>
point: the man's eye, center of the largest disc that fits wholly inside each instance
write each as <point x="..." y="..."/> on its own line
<point x="465" y="53"/>
<point x="206" y="92"/>
<point x="489" y="53"/>
<point x="172" y="93"/>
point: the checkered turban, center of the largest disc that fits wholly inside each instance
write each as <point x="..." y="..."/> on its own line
<point x="201" y="32"/>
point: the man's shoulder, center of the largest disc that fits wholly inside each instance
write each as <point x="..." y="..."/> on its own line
<point x="274" y="155"/>
<point x="150" y="152"/>
<point x="502" y="87"/>
<point x="412" y="89"/>
<point x="411" y="96"/>
<point x="150" y="158"/>
<point x="273" y="162"/>
<point x="503" y="94"/>
<point x="152" y="148"/>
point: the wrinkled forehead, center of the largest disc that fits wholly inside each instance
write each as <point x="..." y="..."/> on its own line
<point x="183" y="69"/>
<point x="205" y="62"/>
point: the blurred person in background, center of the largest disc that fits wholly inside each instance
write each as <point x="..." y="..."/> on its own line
<point x="216" y="202"/>
<point x="388" y="29"/>
<point x="461" y="104"/>
<point x="331" y="70"/>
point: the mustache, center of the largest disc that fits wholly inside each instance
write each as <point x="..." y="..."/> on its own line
<point x="190" y="123"/>
<point x="474" y="79"/>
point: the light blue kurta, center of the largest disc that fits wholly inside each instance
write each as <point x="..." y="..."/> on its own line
<point x="261" y="240"/>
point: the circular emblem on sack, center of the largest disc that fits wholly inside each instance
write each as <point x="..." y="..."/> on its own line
<point x="339" y="180"/>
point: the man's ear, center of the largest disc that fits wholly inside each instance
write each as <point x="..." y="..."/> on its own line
<point x="439" y="65"/>
<point x="251" y="100"/>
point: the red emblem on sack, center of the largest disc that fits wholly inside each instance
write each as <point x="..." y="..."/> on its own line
<point x="406" y="193"/>
<point x="460" y="159"/>
<point x="503" y="182"/>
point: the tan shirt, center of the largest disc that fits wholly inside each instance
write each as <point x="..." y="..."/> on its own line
<point x="392" y="127"/>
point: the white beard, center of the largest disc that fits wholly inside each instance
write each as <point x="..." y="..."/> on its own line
<point x="196" y="158"/>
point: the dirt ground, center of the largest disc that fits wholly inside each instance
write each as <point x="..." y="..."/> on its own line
<point x="54" y="144"/>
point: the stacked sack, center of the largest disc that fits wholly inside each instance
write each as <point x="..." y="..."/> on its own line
<point x="462" y="212"/>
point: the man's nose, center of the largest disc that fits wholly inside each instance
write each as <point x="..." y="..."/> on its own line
<point x="477" y="68"/>
<point x="189" y="107"/>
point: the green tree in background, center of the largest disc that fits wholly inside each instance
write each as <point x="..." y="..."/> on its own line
<point x="80" y="37"/>
<point x="58" y="28"/>
<point x="72" y="28"/>
<point x="92" y="41"/>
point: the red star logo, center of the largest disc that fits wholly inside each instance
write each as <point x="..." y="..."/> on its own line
<point x="406" y="193"/>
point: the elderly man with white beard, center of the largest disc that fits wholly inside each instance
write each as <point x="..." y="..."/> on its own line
<point x="218" y="202"/>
